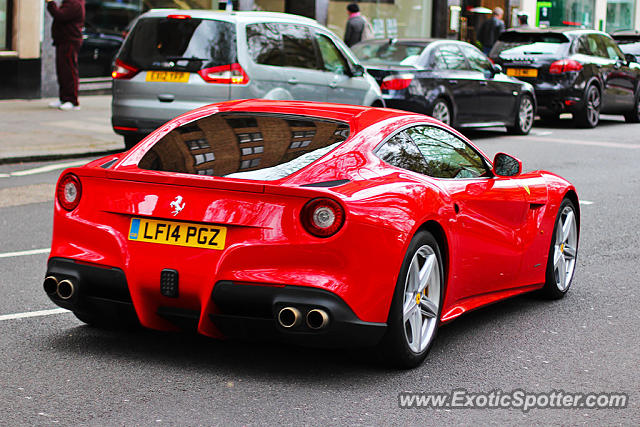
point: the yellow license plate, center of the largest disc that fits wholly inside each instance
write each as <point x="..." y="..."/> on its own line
<point x="167" y="76"/>
<point x="522" y="72"/>
<point x="177" y="233"/>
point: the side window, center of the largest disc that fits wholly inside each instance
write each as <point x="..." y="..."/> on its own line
<point x="265" y="44"/>
<point x="401" y="152"/>
<point x="332" y="59"/>
<point x="299" y="50"/>
<point x="477" y="59"/>
<point x="613" y="51"/>
<point x="596" y="46"/>
<point x="583" y="46"/>
<point x="446" y="155"/>
<point x="449" y="57"/>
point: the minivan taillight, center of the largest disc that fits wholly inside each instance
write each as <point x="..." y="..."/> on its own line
<point x="123" y="71"/>
<point x="322" y="217"/>
<point x="69" y="191"/>
<point x="396" y="82"/>
<point x="225" y="74"/>
<point x="564" y="66"/>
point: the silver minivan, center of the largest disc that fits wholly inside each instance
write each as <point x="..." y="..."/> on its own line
<point x="173" y="61"/>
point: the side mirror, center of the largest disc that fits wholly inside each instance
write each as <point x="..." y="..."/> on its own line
<point x="506" y="165"/>
<point x="357" y="70"/>
<point x="630" y="57"/>
<point x="496" y="69"/>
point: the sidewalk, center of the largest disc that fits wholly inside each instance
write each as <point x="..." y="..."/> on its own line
<point x="31" y="131"/>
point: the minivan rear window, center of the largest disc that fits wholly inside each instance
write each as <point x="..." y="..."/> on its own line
<point x="514" y="43"/>
<point x="244" y="145"/>
<point x="180" y="44"/>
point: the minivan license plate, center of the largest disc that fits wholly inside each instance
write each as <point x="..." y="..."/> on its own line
<point x="167" y="76"/>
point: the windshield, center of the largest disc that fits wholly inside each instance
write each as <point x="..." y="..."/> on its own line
<point x="243" y="145"/>
<point x="180" y="44"/>
<point x="386" y="53"/>
<point x="511" y="44"/>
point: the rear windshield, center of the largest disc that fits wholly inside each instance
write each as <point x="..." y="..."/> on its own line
<point x="243" y="145"/>
<point x="387" y="53"/>
<point x="180" y="44"/>
<point x="530" y="44"/>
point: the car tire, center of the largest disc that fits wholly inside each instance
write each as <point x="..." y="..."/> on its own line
<point x="523" y="122"/>
<point x="413" y="309"/>
<point x="442" y="111"/>
<point x="589" y="115"/>
<point x="634" y="115"/>
<point x="131" y="140"/>
<point x="563" y="252"/>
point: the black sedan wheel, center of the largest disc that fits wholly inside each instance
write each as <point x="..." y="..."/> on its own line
<point x="634" y="115"/>
<point x="441" y="111"/>
<point x="589" y="116"/>
<point x="524" y="119"/>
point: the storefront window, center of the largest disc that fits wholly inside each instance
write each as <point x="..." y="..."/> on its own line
<point x="4" y="8"/>
<point x="572" y="13"/>
<point x="620" y="15"/>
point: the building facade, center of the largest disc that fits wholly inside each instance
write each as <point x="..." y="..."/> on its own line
<point x="27" y="66"/>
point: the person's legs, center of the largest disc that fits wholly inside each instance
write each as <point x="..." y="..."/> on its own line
<point x="67" y="70"/>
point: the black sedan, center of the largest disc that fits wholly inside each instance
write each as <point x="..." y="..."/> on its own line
<point x="449" y="80"/>
<point x="582" y="72"/>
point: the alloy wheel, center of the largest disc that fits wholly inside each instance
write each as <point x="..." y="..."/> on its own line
<point x="441" y="112"/>
<point x="421" y="299"/>
<point x="525" y="115"/>
<point x="593" y="105"/>
<point x="565" y="248"/>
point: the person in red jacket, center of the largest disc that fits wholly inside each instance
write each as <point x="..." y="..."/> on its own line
<point x="66" y="31"/>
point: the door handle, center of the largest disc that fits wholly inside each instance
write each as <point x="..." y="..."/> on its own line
<point x="483" y="83"/>
<point x="333" y="85"/>
<point x="166" y="97"/>
<point x="453" y="82"/>
<point x="293" y="81"/>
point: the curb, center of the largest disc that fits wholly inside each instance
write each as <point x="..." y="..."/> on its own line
<point x="49" y="157"/>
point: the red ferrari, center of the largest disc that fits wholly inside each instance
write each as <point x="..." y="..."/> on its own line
<point x="314" y="223"/>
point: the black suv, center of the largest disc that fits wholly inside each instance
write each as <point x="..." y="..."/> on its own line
<point x="582" y="72"/>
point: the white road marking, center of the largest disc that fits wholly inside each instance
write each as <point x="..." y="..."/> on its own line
<point x="4" y="175"/>
<point x="586" y="202"/>
<point x="49" y="168"/>
<point x="38" y="313"/>
<point x="541" y="133"/>
<point x="23" y="253"/>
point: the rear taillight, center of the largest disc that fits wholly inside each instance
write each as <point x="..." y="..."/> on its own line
<point x="225" y="74"/>
<point x="123" y="71"/>
<point x="396" y="82"/>
<point x="564" y="66"/>
<point x="69" y="191"/>
<point x="322" y="217"/>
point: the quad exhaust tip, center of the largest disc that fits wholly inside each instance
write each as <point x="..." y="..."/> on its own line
<point x="289" y="317"/>
<point x="64" y="289"/>
<point x="317" y="319"/>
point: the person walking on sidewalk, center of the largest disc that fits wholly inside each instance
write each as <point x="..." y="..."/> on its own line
<point x="66" y="31"/>
<point x="357" y="26"/>
<point x="490" y="30"/>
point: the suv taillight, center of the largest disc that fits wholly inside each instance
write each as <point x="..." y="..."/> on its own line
<point x="123" y="71"/>
<point x="564" y="66"/>
<point x="322" y="217"/>
<point x="69" y="191"/>
<point x="397" y="82"/>
<point x="225" y="74"/>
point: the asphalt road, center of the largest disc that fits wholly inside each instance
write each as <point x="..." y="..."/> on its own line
<point x="55" y="370"/>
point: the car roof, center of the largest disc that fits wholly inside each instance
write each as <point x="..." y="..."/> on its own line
<point x="232" y="16"/>
<point x="571" y="31"/>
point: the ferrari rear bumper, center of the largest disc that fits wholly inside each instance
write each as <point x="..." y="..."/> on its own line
<point x="237" y="310"/>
